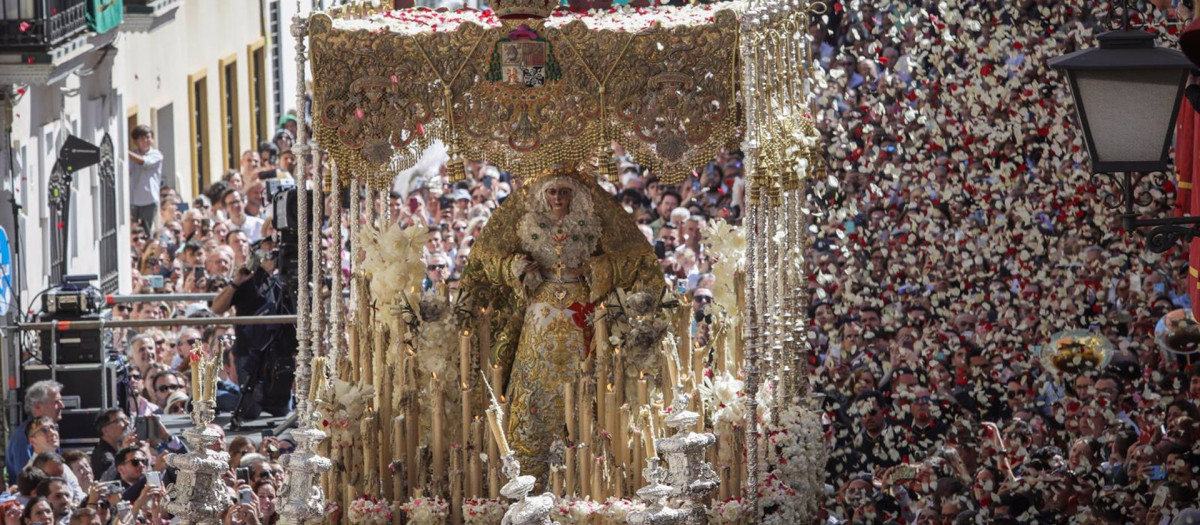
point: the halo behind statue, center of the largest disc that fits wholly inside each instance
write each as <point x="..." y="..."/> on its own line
<point x="1072" y="352"/>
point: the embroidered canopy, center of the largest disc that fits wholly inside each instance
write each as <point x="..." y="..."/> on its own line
<point x="670" y="84"/>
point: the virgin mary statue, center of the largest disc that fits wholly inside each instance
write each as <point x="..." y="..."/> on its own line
<point x="557" y="247"/>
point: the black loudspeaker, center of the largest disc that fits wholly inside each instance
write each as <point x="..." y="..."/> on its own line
<point x="84" y="386"/>
<point x="78" y="428"/>
<point x="74" y="346"/>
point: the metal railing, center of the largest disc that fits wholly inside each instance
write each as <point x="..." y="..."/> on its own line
<point x="93" y="324"/>
<point x="32" y="25"/>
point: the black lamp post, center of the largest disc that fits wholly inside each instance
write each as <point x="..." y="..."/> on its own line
<point x="1127" y="94"/>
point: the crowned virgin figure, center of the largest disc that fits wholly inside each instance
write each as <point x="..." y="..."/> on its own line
<point x="556" y="248"/>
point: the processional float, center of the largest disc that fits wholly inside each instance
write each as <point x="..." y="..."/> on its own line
<point x="398" y="376"/>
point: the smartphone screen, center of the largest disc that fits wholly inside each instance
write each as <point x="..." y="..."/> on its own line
<point x="244" y="496"/>
<point x="142" y="426"/>
<point x="154" y="478"/>
<point x="1157" y="473"/>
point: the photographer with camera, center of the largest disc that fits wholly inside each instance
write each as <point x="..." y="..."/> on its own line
<point x="263" y="354"/>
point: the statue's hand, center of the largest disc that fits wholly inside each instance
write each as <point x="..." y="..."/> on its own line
<point x="573" y="272"/>
<point x="531" y="267"/>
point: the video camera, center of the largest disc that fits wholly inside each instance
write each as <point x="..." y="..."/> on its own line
<point x="74" y="296"/>
<point x="286" y="221"/>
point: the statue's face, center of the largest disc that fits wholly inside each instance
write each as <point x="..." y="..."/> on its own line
<point x="558" y="196"/>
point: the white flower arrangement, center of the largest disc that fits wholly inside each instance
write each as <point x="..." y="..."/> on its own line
<point x="618" y="510"/>
<point x="437" y="349"/>
<point x="637" y="323"/>
<point x="433" y="334"/>
<point x="616" y="18"/>
<point x="798" y="453"/>
<point x="417" y="21"/>
<point x="370" y="511"/>
<point x="729" y="512"/>
<point x="426" y="511"/>
<point x="727" y="248"/>
<point x="393" y="258"/>
<point x="779" y="504"/>
<point x="636" y="19"/>
<point x="724" y="395"/>
<point x="572" y="511"/>
<point x="345" y="410"/>
<point x="483" y="511"/>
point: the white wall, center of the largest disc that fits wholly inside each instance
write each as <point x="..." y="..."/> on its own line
<point x="157" y="66"/>
<point x="148" y="71"/>
<point x="84" y="105"/>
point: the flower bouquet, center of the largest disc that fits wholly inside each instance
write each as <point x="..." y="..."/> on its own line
<point x="426" y="511"/>
<point x="572" y="511"/>
<point x="729" y="512"/>
<point x="483" y="511"/>
<point x="617" y="510"/>
<point x="1075" y="351"/>
<point x="370" y="511"/>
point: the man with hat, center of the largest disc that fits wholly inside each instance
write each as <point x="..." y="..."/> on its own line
<point x="462" y="202"/>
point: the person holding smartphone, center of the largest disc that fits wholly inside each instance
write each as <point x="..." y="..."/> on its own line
<point x="246" y="510"/>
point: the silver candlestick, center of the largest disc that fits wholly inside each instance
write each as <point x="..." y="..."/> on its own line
<point x="198" y="494"/>
<point x="528" y="510"/>
<point x="688" y="473"/>
<point x="301" y="495"/>
<point x="656" y="494"/>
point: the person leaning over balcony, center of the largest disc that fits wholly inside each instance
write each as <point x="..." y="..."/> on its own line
<point x="145" y="176"/>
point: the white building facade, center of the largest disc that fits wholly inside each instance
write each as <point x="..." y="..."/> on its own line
<point x="200" y="73"/>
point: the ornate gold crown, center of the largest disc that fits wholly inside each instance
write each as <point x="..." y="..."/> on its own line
<point x="524" y="8"/>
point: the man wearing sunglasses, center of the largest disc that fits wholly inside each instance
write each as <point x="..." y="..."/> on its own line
<point x="132" y="464"/>
<point x="437" y="269"/>
<point x="190" y="341"/>
<point x="163" y="384"/>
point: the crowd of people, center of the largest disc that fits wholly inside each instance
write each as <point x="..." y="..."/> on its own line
<point x="123" y="478"/>
<point x="968" y="235"/>
<point x="215" y="243"/>
<point x="964" y="236"/>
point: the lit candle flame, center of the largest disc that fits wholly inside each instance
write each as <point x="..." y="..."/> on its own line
<point x="610" y="387"/>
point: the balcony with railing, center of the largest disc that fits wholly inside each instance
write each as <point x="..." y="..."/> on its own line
<point x="31" y="26"/>
<point x="148" y="15"/>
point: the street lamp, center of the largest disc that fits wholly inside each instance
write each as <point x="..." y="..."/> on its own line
<point x="1127" y="94"/>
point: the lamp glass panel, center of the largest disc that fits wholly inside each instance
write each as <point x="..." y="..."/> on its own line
<point x="1129" y="112"/>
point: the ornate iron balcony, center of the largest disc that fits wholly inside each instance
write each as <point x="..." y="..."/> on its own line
<point x="38" y="25"/>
